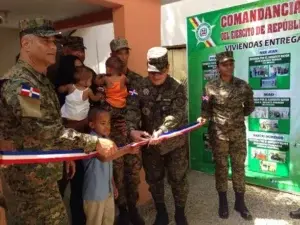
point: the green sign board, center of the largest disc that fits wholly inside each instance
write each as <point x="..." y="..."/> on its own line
<point x="265" y="39"/>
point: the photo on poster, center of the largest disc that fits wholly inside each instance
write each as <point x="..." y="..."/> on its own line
<point x="259" y="71"/>
<point x="279" y="113"/>
<point x="258" y="153"/>
<point x="268" y="83"/>
<point x="277" y="156"/>
<point x="268" y="125"/>
<point x="260" y="113"/>
<point x="266" y="166"/>
<point x="210" y="70"/>
<point x="279" y="70"/>
<point x="270" y="71"/>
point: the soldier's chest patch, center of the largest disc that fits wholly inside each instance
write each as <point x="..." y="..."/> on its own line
<point x="146" y="111"/>
<point x="146" y="91"/>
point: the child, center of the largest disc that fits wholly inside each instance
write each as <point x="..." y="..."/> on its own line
<point x="77" y="104"/>
<point x="98" y="187"/>
<point x="115" y="86"/>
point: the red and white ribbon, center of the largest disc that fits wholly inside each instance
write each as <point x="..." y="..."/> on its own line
<point x="38" y="156"/>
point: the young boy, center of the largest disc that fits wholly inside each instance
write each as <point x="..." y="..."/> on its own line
<point x="98" y="186"/>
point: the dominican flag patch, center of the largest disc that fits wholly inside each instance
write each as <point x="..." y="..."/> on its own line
<point x="133" y="92"/>
<point x="31" y="92"/>
<point x="205" y="98"/>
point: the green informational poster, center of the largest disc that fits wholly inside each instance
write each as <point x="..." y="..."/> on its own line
<point x="270" y="71"/>
<point x="265" y="39"/>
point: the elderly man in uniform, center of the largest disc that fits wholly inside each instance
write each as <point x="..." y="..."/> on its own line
<point x="159" y="106"/>
<point x="226" y="102"/>
<point x="127" y="168"/>
<point x="30" y="118"/>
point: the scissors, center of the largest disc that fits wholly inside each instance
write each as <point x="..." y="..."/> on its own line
<point x="151" y="138"/>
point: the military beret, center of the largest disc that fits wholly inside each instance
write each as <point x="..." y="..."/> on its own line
<point x="74" y="42"/>
<point x="157" y="58"/>
<point x="118" y="43"/>
<point x="224" y="56"/>
<point x="38" y="26"/>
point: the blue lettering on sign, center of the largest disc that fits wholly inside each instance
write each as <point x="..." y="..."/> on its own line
<point x="262" y="52"/>
<point x="268" y="51"/>
<point x="272" y="51"/>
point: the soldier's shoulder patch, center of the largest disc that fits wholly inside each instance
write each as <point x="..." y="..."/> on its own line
<point x="29" y="100"/>
<point x="29" y="91"/>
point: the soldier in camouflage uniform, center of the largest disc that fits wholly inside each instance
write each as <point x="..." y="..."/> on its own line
<point x="158" y="106"/>
<point x="226" y="102"/>
<point x="127" y="168"/>
<point x="73" y="46"/>
<point x="30" y="118"/>
<point x="66" y="46"/>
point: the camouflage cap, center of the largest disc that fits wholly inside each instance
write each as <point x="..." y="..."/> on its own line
<point x="224" y="56"/>
<point x="118" y="43"/>
<point x="74" y="42"/>
<point x="38" y="26"/>
<point x="157" y="58"/>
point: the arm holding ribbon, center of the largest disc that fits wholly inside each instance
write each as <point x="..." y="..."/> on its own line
<point x="38" y="124"/>
<point x="176" y="117"/>
<point x="133" y="118"/>
<point x="206" y="107"/>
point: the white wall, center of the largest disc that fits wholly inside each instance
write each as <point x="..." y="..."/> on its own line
<point x="96" y="40"/>
<point x="9" y="48"/>
<point x="173" y="17"/>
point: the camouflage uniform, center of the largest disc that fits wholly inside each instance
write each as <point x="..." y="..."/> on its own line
<point x="127" y="168"/>
<point x="225" y="105"/>
<point x="162" y="108"/>
<point x="76" y="202"/>
<point x="226" y="108"/>
<point x="33" y="122"/>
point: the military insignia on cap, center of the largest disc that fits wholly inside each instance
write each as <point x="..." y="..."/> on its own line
<point x="146" y="111"/>
<point x="146" y="91"/>
<point x="28" y="91"/>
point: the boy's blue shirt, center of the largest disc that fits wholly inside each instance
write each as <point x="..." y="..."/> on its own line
<point x="97" y="184"/>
